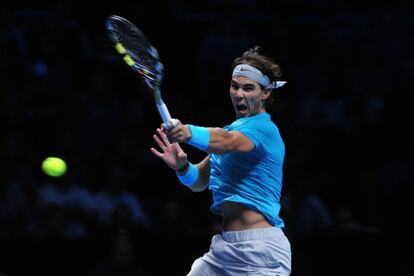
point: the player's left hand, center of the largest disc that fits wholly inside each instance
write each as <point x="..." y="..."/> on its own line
<point x="176" y="131"/>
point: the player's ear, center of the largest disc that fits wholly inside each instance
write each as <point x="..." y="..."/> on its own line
<point x="266" y="93"/>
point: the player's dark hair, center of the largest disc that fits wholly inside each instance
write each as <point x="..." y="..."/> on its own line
<point x="262" y="62"/>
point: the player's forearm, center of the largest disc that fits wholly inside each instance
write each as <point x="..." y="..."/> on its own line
<point x="217" y="140"/>
<point x="204" y="177"/>
<point x="211" y="140"/>
<point x="196" y="177"/>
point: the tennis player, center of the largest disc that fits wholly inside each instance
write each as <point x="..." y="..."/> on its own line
<point x="243" y="170"/>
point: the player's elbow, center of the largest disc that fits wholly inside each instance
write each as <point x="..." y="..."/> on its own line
<point x="198" y="187"/>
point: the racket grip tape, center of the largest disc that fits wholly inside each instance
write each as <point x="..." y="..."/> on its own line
<point x="165" y="114"/>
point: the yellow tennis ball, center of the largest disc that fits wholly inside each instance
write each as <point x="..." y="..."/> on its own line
<point x="54" y="166"/>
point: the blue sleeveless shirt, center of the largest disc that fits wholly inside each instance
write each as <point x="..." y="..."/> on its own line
<point x="253" y="179"/>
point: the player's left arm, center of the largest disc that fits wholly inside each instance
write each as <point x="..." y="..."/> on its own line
<point x="212" y="140"/>
<point x="223" y="141"/>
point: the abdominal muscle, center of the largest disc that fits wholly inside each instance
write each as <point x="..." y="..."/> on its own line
<point x="238" y="217"/>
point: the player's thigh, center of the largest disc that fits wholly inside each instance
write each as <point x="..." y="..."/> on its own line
<point x="202" y="268"/>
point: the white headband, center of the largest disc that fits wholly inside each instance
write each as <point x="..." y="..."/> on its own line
<point x="250" y="72"/>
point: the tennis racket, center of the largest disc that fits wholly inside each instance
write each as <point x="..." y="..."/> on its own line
<point x="138" y="53"/>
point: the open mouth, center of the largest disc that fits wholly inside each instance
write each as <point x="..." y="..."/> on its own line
<point x="241" y="107"/>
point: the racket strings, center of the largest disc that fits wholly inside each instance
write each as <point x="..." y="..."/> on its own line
<point x="134" y="42"/>
<point x="137" y="52"/>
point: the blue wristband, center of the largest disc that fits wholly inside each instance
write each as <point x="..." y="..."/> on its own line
<point x="200" y="137"/>
<point x="190" y="177"/>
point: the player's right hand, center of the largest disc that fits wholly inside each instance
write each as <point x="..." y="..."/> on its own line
<point x="171" y="153"/>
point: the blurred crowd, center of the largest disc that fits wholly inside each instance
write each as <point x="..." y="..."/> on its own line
<point x="119" y="211"/>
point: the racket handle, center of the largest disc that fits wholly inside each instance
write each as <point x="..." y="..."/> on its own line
<point x="163" y="110"/>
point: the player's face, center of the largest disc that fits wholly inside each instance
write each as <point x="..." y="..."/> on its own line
<point x="247" y="97"/>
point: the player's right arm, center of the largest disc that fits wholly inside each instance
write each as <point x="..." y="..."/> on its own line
<point x="204" y="175"/>
<point x="195" y="177"/>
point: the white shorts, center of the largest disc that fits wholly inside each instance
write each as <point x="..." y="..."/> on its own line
<point x="262" y="251"/>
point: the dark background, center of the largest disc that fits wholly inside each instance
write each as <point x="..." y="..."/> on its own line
<point x="344" y="116"/>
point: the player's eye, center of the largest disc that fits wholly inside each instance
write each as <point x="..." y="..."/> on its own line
<point x="235" y="86"/>
<point x="248" y="88"/>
